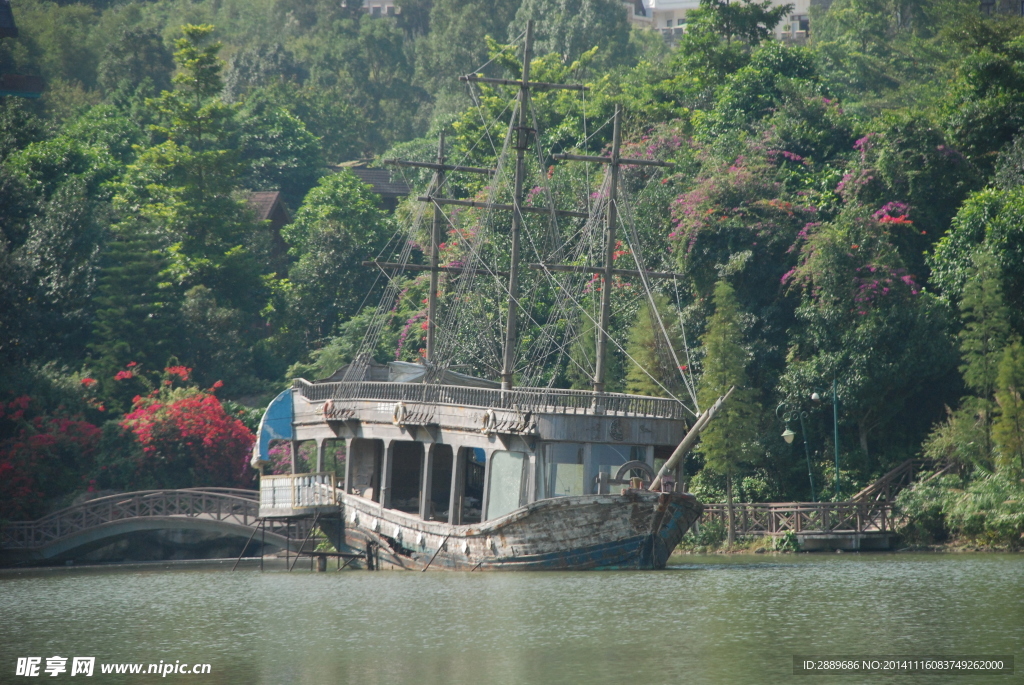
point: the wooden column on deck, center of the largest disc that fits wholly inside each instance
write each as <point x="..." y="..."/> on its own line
<point x="386" y="468"/>
<point x="346" y="486"/>
<point x="426" y="479"/>
<point x="458" y="487"/>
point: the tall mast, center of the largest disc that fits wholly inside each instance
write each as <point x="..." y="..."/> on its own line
<point x="607" y="270"/>
<point x="435" y="242"/>
<point x="612" y="217"/>
<point x="521" y="143"/>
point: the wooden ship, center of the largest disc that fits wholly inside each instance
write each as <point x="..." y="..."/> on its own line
<point x="447" y="471"/>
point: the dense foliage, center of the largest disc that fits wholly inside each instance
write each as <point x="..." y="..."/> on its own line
<point x="848" y="211"/>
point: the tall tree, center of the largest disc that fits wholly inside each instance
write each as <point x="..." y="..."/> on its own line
<point x="1008" y="429"/>
<point x="568" y="28"/>
<point x="135" y="55"/>
<point x="136" y="315"/>
<point x="339" y="225"/>
<point x="866" y="322"/>
<point x="652" y="360"/>
<point x="984" y="337"/>
<point x="730" y="440"/>
<point x="747" y="21"/>
<point x="455" y="45"/>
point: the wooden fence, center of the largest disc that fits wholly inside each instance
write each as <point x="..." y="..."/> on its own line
<point x="776" y="518"/>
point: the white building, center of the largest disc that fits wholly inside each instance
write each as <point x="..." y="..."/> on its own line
<point x="381" y="8"/>
<point x="669" y="17"/>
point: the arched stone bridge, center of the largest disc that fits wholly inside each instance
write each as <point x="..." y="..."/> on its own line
<point x="79" y="529"/>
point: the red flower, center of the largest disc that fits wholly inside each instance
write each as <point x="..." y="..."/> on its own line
<point x="88" y="382"/>
<point x="123" y="375"/>
<point x="181" y="372"/>
<point x="218" y="384"/>
<point x="131" y="364"/>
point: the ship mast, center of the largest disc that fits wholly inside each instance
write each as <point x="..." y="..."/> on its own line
<point x="607" y="271"/>
<point x="612" y="217"/>
<point x="522" y="141"/>
<point x="437" y="186"/>
<point x="435" y="249"/>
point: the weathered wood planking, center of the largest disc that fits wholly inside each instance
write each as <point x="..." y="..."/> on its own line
<point x="638" y="529"/>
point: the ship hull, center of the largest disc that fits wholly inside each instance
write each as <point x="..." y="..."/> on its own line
<point x="634" y="530"/>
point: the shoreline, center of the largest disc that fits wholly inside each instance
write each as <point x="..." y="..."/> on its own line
<point x="944" y="548"/>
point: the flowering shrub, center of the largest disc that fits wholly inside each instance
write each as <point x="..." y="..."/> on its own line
<point x="188" y="440"/>
<point x="43" y="457"/>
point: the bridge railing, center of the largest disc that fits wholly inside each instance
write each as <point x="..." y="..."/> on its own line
<point x="220" y="504"/>
<point x="553" y="400"/>
<point x="286" y="494"/>
<point x="776" y="518"/>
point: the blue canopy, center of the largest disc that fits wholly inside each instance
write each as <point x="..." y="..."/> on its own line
<point x="276" y="424"/>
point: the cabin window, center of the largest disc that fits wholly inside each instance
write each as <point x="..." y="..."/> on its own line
<point x="334" y="457"/>
<point x="608" y="458"/>
<point x="364" y="468"/>
<point x="440" y="484"/>
<point x="470" y="488"/>
<point x="508" y="481"/>
<point x="561" y="470"/>
<point x="406" y="474"/>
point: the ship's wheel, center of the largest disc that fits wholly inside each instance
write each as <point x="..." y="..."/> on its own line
<point x="635" y="469"/>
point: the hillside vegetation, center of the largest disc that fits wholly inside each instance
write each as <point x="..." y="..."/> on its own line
<point x="849" y="211"/>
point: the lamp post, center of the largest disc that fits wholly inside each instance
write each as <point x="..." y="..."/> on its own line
<point x="835" y="427"/>
<point x="788" y="435"/>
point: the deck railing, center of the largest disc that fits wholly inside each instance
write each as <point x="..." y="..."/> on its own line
<point x="523" y="399"/>
<point x="806" y="517"/>
<point x="288" y="493"/>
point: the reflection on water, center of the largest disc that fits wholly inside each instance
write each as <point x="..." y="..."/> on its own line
<point x="708" y="620"/>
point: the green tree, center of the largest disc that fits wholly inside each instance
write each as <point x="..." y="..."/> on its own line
<point x="136" y="316"/>
<point x="986" y="326"/>
<point x="339" y="225"/>
<point x="1008" y="428"/>
<point x="983" y="109"/>
<point x="989" y="220"/>
<point x="983" y="339"/>
<point x="276" y="150"/>
<point x="748" y="21"/>
<point x="568" y="28"/>
<point x="864" y="320"/>
<point x="135" y="55"/>
<point x="651" y="356"/>
<point x="258" y="66"/>
<point x="455" y="45"/>
<point x="730" y="440"/>
<point x="186" y="186"/>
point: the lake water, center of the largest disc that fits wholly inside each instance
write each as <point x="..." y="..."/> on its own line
<point x="711" y="619"/>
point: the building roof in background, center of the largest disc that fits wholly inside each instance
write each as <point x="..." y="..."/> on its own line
<point x="7" y="27"/>
<point x="264" y="202"/>
<point x="384" y="184"/>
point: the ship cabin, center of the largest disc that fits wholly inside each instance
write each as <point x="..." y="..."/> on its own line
<point x="460" y="450"/>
